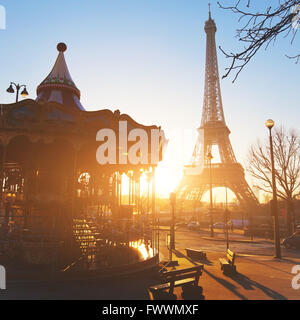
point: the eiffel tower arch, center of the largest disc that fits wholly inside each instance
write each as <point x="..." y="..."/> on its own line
<point x="214" y="132"/>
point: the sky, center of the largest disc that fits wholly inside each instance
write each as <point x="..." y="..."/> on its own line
<point x="147" y="59"/>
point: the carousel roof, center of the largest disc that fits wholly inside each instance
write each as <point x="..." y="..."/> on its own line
<point x="57" y="114"/>
<point x="58" y="85"/>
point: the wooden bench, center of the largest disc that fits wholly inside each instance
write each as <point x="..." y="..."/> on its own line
<point x="195" y="254"/>
<point x="227" y="265"/>
<point x="187" y="278"/>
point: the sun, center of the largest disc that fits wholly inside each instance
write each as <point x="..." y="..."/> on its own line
<point x="168" y="176"/>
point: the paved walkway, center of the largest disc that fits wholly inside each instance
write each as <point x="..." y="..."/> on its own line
<point x="258" y="278"/>
<point x="259" y="275"/>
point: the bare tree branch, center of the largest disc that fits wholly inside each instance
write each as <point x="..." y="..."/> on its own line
<point x="296" y="58"/>
<point x="260" y="30"/>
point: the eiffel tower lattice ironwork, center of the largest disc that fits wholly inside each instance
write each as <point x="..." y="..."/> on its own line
<point x="214" y="132"/>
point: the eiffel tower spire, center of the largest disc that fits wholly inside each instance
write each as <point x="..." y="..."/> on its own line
<point x="212" y="104"/>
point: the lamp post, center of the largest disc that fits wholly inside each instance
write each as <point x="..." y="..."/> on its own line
<point x="18" y="87"/>
<point x="226" y="221"/>
<point x="172" y="227"/>
<point x="209" y="158"/>
<point x="149" y="177"/>
<point x="270" y="124"/>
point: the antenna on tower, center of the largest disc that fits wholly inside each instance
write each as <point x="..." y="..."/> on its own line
<point x="209" y="11"/>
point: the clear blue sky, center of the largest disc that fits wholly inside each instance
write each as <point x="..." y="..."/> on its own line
<point x="147" y="58"/>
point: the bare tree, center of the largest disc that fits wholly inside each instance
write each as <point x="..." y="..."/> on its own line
<point x="280" y="18"/>
<point x="287" y="167"/>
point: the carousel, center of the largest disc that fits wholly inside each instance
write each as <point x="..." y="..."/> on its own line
<point x="61" y="208"/>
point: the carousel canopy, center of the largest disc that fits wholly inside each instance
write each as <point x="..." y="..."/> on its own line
<point x="58" y="85"/>
<point x="57" y="114"/>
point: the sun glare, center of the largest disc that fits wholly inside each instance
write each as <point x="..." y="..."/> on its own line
<point x="219" y="195"/>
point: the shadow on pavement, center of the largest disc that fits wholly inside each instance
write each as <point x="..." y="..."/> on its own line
<point x="207" y="262"/>
<point x="181" y="255"/>
<point x="291" y="261"/>
<point x="227" y="285"/>
<point x="272" y="267"/>
<point x="193" y="261"/>
<point x="249" y="284"/>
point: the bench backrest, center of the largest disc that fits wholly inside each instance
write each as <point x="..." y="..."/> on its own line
<point x="174" y="275"/>
<point x="230" y="256"/>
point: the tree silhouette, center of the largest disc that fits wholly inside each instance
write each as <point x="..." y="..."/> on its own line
<point x="287" y="167"/>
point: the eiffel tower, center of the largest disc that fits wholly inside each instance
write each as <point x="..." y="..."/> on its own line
<point x="214" y="132"/>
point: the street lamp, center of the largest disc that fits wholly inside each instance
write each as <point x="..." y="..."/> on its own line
<point x="172" y="232"/>
<point x="226" y="215"/>
<point x="209" y="158"/>
<point x="270" y="124"/>
<point x="149" y="178"/>
<point x="172" y="229"/>
<point x="18" y="87"/>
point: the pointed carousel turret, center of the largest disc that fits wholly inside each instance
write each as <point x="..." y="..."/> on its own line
<point x="58" y="85"/>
